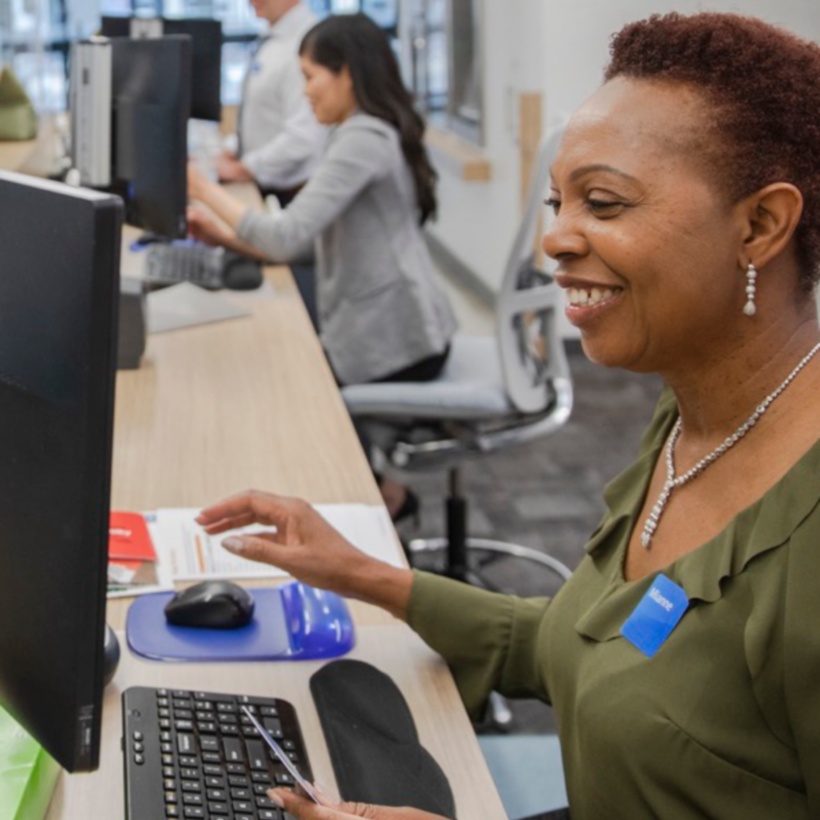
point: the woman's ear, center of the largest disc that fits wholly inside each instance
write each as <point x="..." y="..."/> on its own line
<point x="770" y="218"/>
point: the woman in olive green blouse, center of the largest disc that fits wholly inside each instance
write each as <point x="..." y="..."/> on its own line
<point x="683" y="657"/>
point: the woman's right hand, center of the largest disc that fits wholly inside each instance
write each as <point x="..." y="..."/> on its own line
<point x="303" y="809"/>
<point x="206" y="228"/>
<point x="306" y="546"/>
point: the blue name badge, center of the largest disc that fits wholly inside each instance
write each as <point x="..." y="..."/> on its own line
<point x="657" y="614"/>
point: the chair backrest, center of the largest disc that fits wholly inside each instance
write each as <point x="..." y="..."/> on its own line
<point x="535" y="367"/>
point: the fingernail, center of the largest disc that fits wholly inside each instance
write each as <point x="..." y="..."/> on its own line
<point x="276" y="799"/>
<point x="234" y="545"/>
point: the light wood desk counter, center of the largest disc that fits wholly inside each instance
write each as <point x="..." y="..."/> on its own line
<point x="38" y="156"/>
<point x="250" y="402"/>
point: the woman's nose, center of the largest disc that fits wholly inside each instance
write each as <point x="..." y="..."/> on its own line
<point x="563" y="237"/>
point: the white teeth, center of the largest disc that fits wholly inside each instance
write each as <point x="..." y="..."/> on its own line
<point x="583" y="296"/>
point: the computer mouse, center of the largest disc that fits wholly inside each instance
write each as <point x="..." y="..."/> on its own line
<point x="211" y="604"/>
<point x="240" y="272"/>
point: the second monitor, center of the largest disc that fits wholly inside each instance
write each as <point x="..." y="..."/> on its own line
<point x="206" y="54"/>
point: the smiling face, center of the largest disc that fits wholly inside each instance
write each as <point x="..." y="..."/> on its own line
<point x="331" y="95"/>
<point x="647" y="245"/>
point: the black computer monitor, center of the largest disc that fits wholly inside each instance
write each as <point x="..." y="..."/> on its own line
<point x="150" y="100"/>
<point x="59" y="286"/>
<point x="206" y="56"/>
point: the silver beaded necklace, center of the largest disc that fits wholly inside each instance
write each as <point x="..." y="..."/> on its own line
<point x="673" y="481"/>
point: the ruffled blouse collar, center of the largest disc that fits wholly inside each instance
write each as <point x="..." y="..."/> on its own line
<point x="764" y="525"/>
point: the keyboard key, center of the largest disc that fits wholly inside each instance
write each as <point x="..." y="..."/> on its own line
<point x="274" y="727"/>
<point x="185" y="743"/>
<point x="232" y="749"/>
<point x="209" y="743"/>
<point x="257" y="759"/>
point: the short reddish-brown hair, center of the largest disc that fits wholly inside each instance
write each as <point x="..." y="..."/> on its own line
<point x="764" y="86"/>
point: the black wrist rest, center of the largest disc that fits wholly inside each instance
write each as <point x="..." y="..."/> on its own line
<point x="373" y="742"/>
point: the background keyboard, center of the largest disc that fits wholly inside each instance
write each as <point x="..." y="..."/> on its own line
<point x="195" y="755"/>
<point x="167" y="263"/>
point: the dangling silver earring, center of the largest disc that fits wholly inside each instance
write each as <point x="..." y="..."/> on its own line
<point x="751" y="275"/>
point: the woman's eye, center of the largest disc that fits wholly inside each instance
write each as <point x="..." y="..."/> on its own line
<point x="604" y="207"/>
<point x="553" y="203"/>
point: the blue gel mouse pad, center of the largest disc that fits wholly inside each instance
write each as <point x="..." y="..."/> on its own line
<point x="290" y="622"/>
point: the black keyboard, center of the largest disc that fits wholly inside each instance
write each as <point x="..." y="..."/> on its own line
<point x="167" y="263"/>
<point x="196" y="755"/>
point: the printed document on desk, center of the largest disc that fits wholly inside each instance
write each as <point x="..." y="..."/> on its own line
<point x="186" y="305"/>
<point x="194" y="555"/>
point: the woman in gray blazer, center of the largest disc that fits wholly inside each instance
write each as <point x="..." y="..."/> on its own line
<point x="381" y="315"/>
<point x="380" y="311"/>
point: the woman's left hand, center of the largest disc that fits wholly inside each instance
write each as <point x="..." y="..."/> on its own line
<point x="198" y="184"/>
<point x="304" y="809"/>
<point x="230" y="169"/>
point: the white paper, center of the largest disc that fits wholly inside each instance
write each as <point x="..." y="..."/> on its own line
<point x="192" y="554"/>
<point x="186" y="305"/>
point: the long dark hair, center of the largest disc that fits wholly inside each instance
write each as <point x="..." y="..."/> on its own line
<point x="355" y="41"/>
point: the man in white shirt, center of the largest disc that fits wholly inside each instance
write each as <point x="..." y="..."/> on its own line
<point x="279" y="138"/>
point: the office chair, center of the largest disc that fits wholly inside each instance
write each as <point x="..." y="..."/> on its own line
<point x="494" y="393"/>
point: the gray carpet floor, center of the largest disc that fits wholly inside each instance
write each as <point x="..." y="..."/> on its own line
<point x="547" y="495"/>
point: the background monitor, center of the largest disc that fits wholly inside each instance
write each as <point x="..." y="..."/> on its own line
<point x="206" y="54"/>
<point x="59" y="290"/>
<point x="150" y="90"/>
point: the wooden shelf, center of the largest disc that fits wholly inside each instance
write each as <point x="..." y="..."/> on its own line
<point x="456" y="155"/>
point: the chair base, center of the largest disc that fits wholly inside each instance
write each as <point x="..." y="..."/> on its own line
<point x="500" y="548"/>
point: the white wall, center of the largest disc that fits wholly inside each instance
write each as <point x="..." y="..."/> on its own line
<point x="557" y="47"/>
<point x="577" y="33"/>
